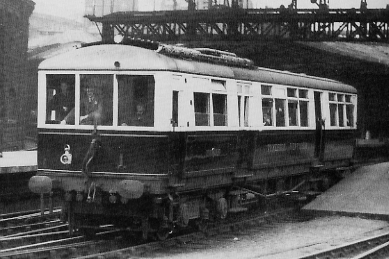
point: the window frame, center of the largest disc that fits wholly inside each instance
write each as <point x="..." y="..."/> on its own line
<point x="42" y="93"/>
<point x="213" y="87"/>
<point x="288" y="94"/>
<point x="245" y="97"/>
<point x="339" y="101"/>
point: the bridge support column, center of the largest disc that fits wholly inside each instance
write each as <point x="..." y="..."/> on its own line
<point x="107" y="33"/>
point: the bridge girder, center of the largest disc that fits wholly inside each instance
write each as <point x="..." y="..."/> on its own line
<point x="245" y="24"/>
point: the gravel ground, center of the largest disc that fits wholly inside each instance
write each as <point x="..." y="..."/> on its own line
<point x="280" y="240"/>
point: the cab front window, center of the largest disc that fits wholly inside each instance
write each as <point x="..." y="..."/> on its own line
<point x="136" y="100"/>
<point x="95" y="102"/>
<point x="60" y="97"/>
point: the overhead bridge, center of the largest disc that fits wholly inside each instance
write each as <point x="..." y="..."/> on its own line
<point x="248" y="24"/>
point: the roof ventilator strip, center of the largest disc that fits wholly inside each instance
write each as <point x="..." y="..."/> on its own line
<point x="206" y="55"/>
<point x="198" y="54"/>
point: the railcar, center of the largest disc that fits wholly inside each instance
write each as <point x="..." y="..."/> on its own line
<point x="214" y="134"/>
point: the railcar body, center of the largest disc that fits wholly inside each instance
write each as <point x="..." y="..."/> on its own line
<point x="208" y="137"/>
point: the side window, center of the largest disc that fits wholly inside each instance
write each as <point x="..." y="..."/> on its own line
<point x="297" y="107"/>
<point x="292" y="109"/>
<point x="60" y="98"/>
<point x="267" y="105"/>
<point x="280" y="112"/>
<point x="341" y="110"/>
<point x="239" y="110"/>
<point x="136" y="100"/>
<point x="333" y="111"/>
<point x="349" y="112"/>
<point x="303" y="106"/>
<point x="244" y="104"/>
<point x="267" y="110"/>
<point x="175" y="109"/>
<point x="219" y="109"/>
<point x="246" y="111"/>
<point x="201" y="107"/>
<point x="292" y="106"/>
<point x="289" y="110"/>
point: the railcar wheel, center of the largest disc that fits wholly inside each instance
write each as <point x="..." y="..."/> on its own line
<point x="145" y="228"/>
<point x="163" y="233"/>
<point x="202" y="225"/>
<point x="222" y="208"/>
<point x="326" y="183"/>
<point x="71" y="220"/>
<point x="183" y="218"/>
<point x="280" y="185"/>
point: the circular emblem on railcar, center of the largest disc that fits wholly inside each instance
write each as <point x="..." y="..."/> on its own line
<point x="66" y="158"/>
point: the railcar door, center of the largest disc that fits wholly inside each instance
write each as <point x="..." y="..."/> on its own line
<point x="179" y="120"/>
<point x="320" y="132"/>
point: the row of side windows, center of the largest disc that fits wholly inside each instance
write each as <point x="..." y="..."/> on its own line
<point x="341" y="110"/>
<point x="202" y="108"/>
<point x="280" y="108"/>
<point x="135" y="100"/>
<point x="274" y="109"/>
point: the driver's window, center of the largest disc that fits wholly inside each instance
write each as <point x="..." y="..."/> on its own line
<point x="136" y="100"/>
<point x="96" y="100"/>
<point x="60" y="98"/>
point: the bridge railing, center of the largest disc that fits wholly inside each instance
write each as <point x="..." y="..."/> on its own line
<point x="99" y="8"/>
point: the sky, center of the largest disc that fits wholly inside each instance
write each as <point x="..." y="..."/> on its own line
<point x="75" y="9"/>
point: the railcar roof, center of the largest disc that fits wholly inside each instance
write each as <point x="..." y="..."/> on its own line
<point x="103" y="57"/>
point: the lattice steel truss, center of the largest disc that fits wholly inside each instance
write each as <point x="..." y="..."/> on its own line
<point x="244" y="24"/>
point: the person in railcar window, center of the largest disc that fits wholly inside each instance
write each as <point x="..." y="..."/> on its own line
<point x="91" y="107"/>
<point x="96" y="101"/>
<point x="61" y="103"/>
<point x="267" y="107"/>
<point x="267" y="119"/>
<point x="136" y="100"/>
<point x="292" y="108"/>
<point x="140" y="117"/>
<point x="280" y="112"/>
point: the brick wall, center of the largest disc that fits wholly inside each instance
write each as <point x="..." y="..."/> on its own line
<point x="14" y="23"/>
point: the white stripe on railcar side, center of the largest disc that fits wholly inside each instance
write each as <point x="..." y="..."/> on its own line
<point x="100" y="173"/>
<point x="105" y="134"/>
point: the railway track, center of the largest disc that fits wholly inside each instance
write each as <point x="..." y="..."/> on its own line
<point x="115" y="244"/>
<point x="52" y="242"/>
<point x="32" y="235"/>
<point x="14" y="223"/>
<point x="110" y="243"/>
<point x="375" y="247"/>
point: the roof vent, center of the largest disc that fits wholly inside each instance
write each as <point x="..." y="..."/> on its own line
<point x="205" y="55"/>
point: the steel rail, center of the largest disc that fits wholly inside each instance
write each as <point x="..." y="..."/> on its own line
<point x="35" y="231"/>
<point x="26" y="227"/>
<point x="49" y="249"/>
<point x="36" y="215"/>
<point x="377" y="252"/>
<point x="11" y="242"/>
<point x="356" y="248"/>
<point x="223" y="227"/>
